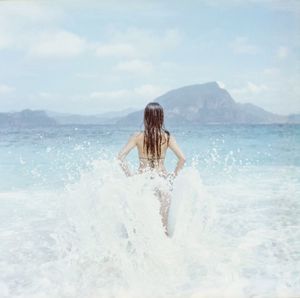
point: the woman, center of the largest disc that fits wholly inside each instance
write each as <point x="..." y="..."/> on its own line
<point x="152" y="144"/>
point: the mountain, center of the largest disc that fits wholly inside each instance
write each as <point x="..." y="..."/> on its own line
<point x="206" y="104"/>
<point x="30" y="118"/>
<point x="294" y="118"/>
<point x="26" y="118"/>
<point x="195" y="104"/>
<point x="104" y="118"/>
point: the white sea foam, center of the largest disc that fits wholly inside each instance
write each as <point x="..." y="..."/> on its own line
<point x="103" y="237"/>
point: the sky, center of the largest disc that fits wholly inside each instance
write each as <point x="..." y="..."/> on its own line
<point x="90" y="57"/>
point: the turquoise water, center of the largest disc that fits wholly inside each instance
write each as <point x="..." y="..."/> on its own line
<point x="44" y="158"/>
<point x="65" y="208"/>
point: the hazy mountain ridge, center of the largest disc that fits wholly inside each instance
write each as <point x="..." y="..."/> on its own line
<point x="26" y="118"/>
<point x="294" y="118"/>
<point x="195" y="104"/>
<point x="207" y="104"/>
<point x="104" y="118"/>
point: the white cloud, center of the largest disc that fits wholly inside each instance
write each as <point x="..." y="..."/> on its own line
<point x="58" y="44"/>
<point x="97" y="101"/>
<point x="146" y="91"/>
<point x="249" y="90"/>
<point x="6" y="89"/>
<point x="116" y="50"/>
<point x="149" y="91"/>
<point x="241" y="45"/>
<point x="135" y="66"/>
<point x="29" y="11"/>
<point x="49" y="95"/>
<point x="36" y="28"/>
<point x="21" y="20"/>
<point x="292" y="6"/>
<point x="282" y="52"/>
<point x="138" y="43"/>
<point x="221" y="84"/>
<point x="282" y="5"/>
<point x="115" y="94"/>
<point x="124" y="98"/>
<point x="271" y="71"/>
<point x="29" y="27"/>
<point x="282" y="96"/>
<point x="172" y="38"/>
<point x="5" y="40"/>
<point x="85" y="75"/>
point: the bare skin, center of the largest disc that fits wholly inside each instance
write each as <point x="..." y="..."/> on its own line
<point x="137" y="140"/>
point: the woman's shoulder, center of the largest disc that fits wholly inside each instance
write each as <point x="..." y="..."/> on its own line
<point x="171" y="137"/>
<point x="137" y="134"/>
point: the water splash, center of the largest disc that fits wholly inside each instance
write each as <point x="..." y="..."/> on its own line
<point x="102" y="236"/>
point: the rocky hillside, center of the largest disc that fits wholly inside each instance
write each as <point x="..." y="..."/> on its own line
<point x="26" y="118"/>
<point x="206" y="104"/>
<point x="196" y="104"/>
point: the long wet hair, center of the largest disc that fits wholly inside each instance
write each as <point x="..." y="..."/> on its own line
<point x="154" y="132"/>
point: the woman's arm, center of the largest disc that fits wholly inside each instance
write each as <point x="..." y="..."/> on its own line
<point x="181" y="158"/>
<point x="124" y="152"/>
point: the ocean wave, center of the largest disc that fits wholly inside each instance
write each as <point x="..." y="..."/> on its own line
<point x="102" y="236"/>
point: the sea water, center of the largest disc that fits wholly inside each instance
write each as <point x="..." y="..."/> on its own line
<point x="72" y="224"/>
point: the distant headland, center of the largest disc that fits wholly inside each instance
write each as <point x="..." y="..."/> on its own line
<point x="206" y="103"/>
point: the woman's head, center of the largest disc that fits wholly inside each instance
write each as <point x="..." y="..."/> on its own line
<point x="153" y="116"/>
<point x="154" y="129"/>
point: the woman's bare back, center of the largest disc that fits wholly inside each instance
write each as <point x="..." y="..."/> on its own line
<point x="137" y="140"/>
<point x="146" y="161"/>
